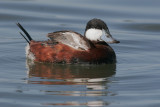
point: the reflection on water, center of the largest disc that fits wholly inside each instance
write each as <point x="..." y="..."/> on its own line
<point x="93" y="77"/>
<point x="89" y="103"/>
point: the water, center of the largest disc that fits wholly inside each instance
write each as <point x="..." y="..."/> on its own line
<point x="132" y="82"/>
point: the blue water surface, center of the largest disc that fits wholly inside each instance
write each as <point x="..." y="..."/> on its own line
<point x="132" y="82"/>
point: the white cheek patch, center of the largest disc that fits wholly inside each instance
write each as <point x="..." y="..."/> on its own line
<point x="94" y="34"/>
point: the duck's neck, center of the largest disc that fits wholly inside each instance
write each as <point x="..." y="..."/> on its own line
<point x="99" y="43"/>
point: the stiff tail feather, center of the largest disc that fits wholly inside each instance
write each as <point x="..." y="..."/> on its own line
<point x="29" y="38"/>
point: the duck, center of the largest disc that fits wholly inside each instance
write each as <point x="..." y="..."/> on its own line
<point x="69" y="47"/>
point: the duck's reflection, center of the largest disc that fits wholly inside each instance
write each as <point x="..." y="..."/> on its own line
<point x="93" y="77"/>
<point x="88" y="104"/>
<point x="72" y="74"/>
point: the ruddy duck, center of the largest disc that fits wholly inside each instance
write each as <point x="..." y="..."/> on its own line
<point x="71" y="47"/>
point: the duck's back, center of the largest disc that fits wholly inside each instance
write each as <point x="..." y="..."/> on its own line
<point x="70" y="38"/>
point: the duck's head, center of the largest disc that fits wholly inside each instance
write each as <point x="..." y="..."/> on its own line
<point x="95" y="28"/>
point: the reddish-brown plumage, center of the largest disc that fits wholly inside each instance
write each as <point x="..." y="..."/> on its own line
<point x="61" y="53"/>
<point x="99" y="54"/>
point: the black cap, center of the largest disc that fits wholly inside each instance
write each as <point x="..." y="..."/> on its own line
<point x="97" y="24"/>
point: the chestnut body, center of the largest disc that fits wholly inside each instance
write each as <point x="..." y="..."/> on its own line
<point x="61" y="53"/>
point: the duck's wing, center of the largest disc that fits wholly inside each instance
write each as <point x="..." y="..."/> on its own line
<point x="70" y="38"/>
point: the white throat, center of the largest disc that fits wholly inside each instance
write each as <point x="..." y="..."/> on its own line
<point x="94" y="34"/>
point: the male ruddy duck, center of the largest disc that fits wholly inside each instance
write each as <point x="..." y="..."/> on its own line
<point x="71" y="47"/>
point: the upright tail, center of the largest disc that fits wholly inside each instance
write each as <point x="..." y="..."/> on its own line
<point x="29" y="38"/>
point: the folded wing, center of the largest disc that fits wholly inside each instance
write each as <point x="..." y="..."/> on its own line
<point x="70" y="38"/>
